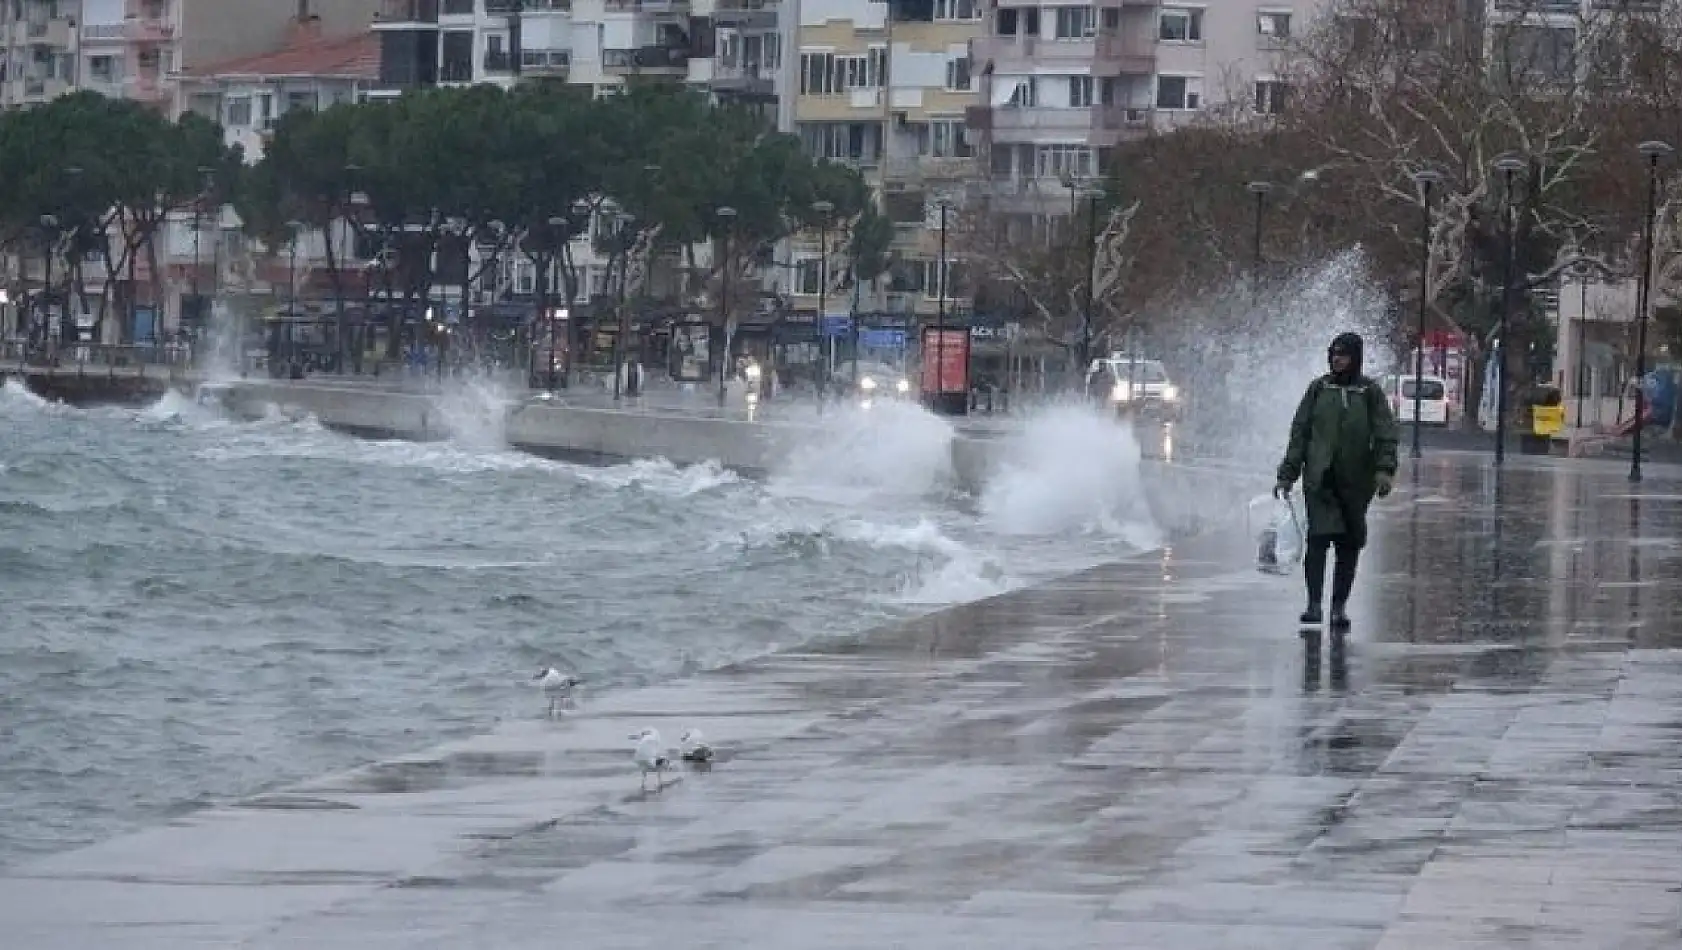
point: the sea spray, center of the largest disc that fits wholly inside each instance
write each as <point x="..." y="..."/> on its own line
<point x="1245" y="367"/>
<point x="1070" y="469"/>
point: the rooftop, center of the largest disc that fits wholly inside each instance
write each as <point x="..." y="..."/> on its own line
<point x="307" y="55"/>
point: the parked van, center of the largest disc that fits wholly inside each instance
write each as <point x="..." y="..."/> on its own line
<point x="1434" y="409"/>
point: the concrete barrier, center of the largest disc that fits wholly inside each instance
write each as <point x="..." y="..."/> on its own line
<point x="1184" y="498"/>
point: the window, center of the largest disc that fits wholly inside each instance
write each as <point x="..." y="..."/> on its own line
<point x="1538" y="53"/>
<point x="829" y="74"/>
<point x="944" y="138"/>
<point x="1014" y="21"/>
<point x="958" y="74"/>
<point x="1058" y="161"/>
<point x="845" y="141"/>
<point x="1274" y="25"/>
<point x="1181" y="25"/>
<point x="1179" y="92"/>
<point x="103" y="68"/>
<point x="1271" y="95"/>
<point x="927" y="274"/>
<point x="808" y="276"/>
<point x="1074" y="23"/>
<point x="957" y="9"/>
<point x="1024" y="93"/>
<point x="1080" y="92"/>
<point x="239" y="111"/>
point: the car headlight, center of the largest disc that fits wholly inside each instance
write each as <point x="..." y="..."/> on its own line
<point x="1170" y="394"/>
<point x="1121" y="393"/>
<point x="903" y="385"/>
<point x="867" y="384"/>
<point x="752" y="372"/>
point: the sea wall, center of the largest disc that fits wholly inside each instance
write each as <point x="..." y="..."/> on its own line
<point x="1183" y="497"/>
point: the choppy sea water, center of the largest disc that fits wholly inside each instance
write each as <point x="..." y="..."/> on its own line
<point x="197" y="608"/>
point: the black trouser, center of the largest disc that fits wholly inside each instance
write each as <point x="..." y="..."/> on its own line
<point x="1343" y="574"/>
<point x="1348" y="546"/>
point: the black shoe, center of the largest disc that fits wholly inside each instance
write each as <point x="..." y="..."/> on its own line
<point x="1340" y="620"/>
<point x="1311" y="615"/>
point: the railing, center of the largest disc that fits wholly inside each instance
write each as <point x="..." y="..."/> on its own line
<point x="96" y="359"/>
<point x="646" y="6"/>
<point x="538" y="60"/>
<point x="102" y="31"/>
<point x="407" y="11"/>
<point x="645" y="57"/>
<point x="498" y="61"/>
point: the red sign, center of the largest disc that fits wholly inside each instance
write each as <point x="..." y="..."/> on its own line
<point x="945" y="361"/>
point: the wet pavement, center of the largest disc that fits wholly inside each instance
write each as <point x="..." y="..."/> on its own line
<point x="1146" y="755"/>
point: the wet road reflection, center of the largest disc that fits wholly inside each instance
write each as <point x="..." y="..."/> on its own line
<point x="1149" y="754"/>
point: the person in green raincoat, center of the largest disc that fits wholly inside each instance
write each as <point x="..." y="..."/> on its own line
<point x="1343" y="447"/>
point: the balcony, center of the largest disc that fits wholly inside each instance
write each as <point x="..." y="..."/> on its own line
<point x="104" y="32"/>
<point x="1095" y="125"/>
<point x="1132" y="52"/>
<point x="646" y="6"/>
<point x="56" y="33"/>
<point x="406" y="14"/>
<point x="145" y="87"/>
<point x="510" y="7"/>
<point x="645" y="59"/>
<point x="746" y="14"/>
<point x="546" y="62"/>
<point x="498" y="61"/>
<point x="751" y="79"/>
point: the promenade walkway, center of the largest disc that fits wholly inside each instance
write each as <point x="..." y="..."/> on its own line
<point x="1146" y="755"/>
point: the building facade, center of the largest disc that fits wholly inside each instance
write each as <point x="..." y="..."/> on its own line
<point x="138" y="48"/>
<point x="886" y="87"/>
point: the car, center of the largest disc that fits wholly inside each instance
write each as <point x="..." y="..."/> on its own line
<point x="1434" y="407"/>
<point x="1134" y="386"/>
<point x="875" y="381"/>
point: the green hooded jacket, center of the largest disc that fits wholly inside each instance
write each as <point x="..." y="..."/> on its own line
<point x="1342" y="437"/>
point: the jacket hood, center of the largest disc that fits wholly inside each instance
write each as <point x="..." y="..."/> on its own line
<point x="1351" y="342"/>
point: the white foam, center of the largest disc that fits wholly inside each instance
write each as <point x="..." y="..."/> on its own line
<point x="1071" y="469"/>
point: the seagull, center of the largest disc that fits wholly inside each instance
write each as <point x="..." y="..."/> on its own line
<point x="649" y="757"/>
<point x="693" y="747"/>
<point x="557" y="686"/>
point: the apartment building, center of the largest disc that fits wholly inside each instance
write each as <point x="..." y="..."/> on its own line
<point x="137" y="48"/>
<point x="886" y="87"/>
<point x="598" y="43"/>
<point x="1064" y="85"/>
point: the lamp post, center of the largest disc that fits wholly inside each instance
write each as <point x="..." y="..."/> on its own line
<point x="1083" y="353"/>
<point x="622" y="224"/>
<point x="726" y="217"/>
<point x="1426" y="179"/>
<point x="1508" y="165"/>
<point x="826" y="348"/>
<point x="341" y="320"/>
<point x="1653" y="151"/>
<point x="944" y="204"/>
<point x="1583" y="271"/>
<point x="49" y="227"/>
<point x="633" y="385"/>
<point x="1261" y="189"/>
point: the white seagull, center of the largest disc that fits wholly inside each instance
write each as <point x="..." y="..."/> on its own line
<point x="557" y="686"/>
<point x="650" y="757"/>
<point x="693" y="747"/>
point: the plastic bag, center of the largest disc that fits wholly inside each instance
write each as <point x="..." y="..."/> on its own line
<point x="1278" y="531"/>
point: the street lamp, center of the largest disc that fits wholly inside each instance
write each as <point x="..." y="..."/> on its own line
<point x="826" y="348"/>
<point x="944" y="203"/>
<point x="726" y="218"/>
<point x="1582" y="272"/>
<point x="341" y="321"/>
<point x="1426" y="179"/>
<point x="1261" y="189"/>
<point x="633" y="384"/>
<point x="1508" y="164"/>
<point x="49" y="227"/>
<point x="1653" y="151"/>
<point x="622" y="225"/>
<point x="546" y="319"/>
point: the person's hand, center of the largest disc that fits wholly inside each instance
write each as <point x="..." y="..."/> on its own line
<point x="1282" y="489"/>
<point x="1385" y="483"/>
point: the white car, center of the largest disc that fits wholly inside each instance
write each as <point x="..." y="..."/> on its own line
<point x="875" y="380"/>
<point x="1128" y="383"/>
<point x="1433" y="399"/>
